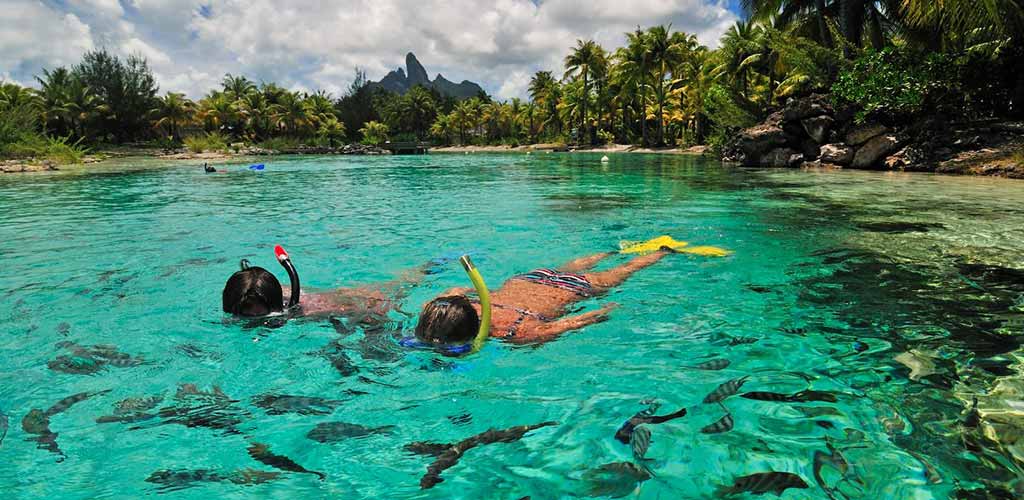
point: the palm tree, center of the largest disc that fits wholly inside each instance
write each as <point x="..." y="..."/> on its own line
<point x="217" y="111"/>
<point x="739" y="43"/>
<point x="374" y="133"/>
<point x="464" y="116"/>
<point x="256" y="113"/>
<point x="172" y="111"/>
<point x="665" y="52"/>
<point x="632" y="73"/>
<point x="330" y="129"/>
<point x="442" y="128"/>
<point x="545" y="91"/>
<point x="83" y="106"/>
<point x="53" y="96"/>
<point x="237" y="86"/>
<point x="579" y="64"/>
<point x="291" y="114"/>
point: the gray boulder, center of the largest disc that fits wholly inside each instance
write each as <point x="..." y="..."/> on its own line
<point x="874" y="150"/>
<point x="754" y="141"/>
<point x="817" y="127"/>
<point x="806" y="107"/>
<point x="781" y="157"/>
<point x="840" y="154"/>
<point x="863" y="133"/>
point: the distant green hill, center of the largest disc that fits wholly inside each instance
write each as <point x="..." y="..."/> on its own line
<point x="400" y="81"/>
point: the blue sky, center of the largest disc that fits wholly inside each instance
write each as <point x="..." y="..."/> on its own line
<point x="311" y="44"/>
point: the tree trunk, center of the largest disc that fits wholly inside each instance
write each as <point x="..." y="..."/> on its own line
<point x="826" y="35"/>
<point x="583" y="115"/>
<point x="643" y="120"/>
<point x="661" y="106"/>
<point x="877" y="37"/>
<point x="852" y="17"/>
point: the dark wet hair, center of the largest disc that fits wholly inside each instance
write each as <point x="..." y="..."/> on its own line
<point x="253" y="291"/>
<point x="448" y="320"/>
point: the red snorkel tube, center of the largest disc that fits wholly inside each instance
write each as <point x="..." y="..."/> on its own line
<point x="293" y="275"/>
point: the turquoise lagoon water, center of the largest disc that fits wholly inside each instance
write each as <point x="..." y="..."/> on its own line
<point x="834" y="276"/>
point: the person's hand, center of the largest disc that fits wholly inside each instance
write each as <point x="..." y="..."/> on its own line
<point x="602" y="313"/>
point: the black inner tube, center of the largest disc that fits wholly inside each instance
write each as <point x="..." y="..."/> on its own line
<point x="293" y="276"/>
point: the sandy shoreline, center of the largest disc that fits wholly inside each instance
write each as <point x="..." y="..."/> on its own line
<point x="561" y="148"/>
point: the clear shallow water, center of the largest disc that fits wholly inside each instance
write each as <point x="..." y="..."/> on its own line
<point x="822" y="261"/>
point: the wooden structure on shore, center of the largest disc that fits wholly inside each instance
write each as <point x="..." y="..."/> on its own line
<point x="407" y="148"/>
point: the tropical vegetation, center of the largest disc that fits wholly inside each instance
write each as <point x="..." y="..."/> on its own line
<point x="892" y="59"/>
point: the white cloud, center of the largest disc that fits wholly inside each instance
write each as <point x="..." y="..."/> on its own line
<point x="34" y="36"/>
<point x="315" y="44"/>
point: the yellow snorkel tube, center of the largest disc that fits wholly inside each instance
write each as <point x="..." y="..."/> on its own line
<point x="485" y="302"/>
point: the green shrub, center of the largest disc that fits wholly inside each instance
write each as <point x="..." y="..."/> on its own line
<point x="213" y="141"/>
<point x="374" y="133"/>
<point x="896" y="84"/>
<point x="605" y="137"/>
<point x="55" y="149"/>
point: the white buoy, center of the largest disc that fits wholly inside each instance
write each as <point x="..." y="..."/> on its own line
<point x="604" y="159"/>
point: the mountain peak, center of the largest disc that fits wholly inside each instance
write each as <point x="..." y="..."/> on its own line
<point x="413" y="68"/>
<point x="400" y="81"/>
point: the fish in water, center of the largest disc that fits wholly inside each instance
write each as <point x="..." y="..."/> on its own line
<point x="3" y="427"/>
<point x="91" y="359"/>
<point x="195" y="408"/>
<point x="764" y="482"/>
<point x="725" y="390"/>
<point x="36" y="422"/>
<point x="835" y="459"/>
<point x="623" y="435"/>
<point x="639" y="441"/>
<point x="723" y="424"/>
<point x="72" y="400"/>
<point x="63" y="328"/>
<point x="132" y="410"/>
<point x="303" y="405"/>
<point x="799" y="397"/>
<point x="817" y="411"/>
<point x="333" y="432"/>
<point x="261" y="453"/>
<point x="447" y="455"/>
<point x="171" y="480"/>
<point x="712" y="364"/>
<point x="735" y="341"/>
<point x="75" y="365"/>
<point x="614" y="480"/>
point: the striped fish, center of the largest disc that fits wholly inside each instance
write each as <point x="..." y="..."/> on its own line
<point x="764" y="482"/>
<point x="735" y="341"/>
<point x="3" y="427"/>
<point x="723" y="424"/>
<point x="639" y="441"/>
<point x="70" y="401"/>
<point x="725" y="390"/>
<point x="712" y="364"/>
<point x="800" y="397"/>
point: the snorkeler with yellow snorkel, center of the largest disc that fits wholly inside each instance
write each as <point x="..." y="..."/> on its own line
<point x="531" y="307"/>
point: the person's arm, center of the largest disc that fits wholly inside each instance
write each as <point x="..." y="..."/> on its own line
<point x="552" y="329"/>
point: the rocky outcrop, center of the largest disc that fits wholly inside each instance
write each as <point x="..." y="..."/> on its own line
<point x="818" y="127"/>
<point x="811" y="132"/>
<point x="864" y="133"/>
<point x="873" y="150"/>
<point x="401" y="80"/>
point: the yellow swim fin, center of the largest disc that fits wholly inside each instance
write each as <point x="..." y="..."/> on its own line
<point x="651" y="245"/>
<point x="655" y="244"/>
<point x="706" y="251"/>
